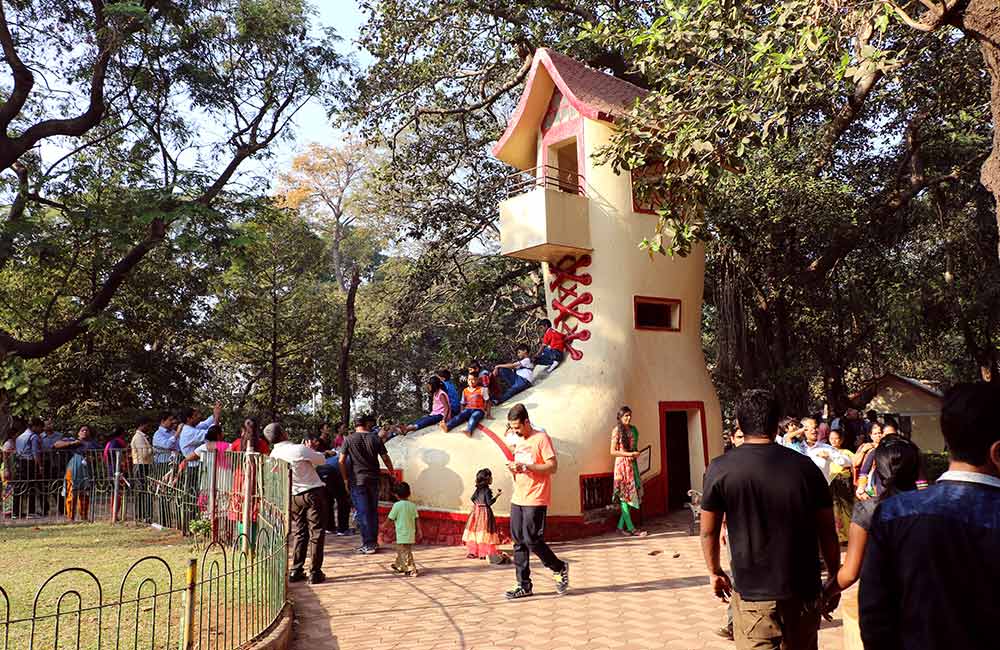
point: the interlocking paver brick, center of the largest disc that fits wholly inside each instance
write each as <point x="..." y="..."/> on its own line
<point x="621" y="598"/>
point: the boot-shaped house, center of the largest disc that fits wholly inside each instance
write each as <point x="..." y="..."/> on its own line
<point x="632" y="325"/>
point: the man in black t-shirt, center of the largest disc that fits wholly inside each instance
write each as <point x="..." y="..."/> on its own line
<point x="779" y="514"/>
<point x="364" y="449"/>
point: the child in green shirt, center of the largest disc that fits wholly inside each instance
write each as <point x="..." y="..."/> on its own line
<point x="404" y="514"/>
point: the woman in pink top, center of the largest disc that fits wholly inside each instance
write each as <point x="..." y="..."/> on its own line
<point x="440" y="407"/>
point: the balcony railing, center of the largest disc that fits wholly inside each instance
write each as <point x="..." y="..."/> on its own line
<point x="545" y="177"/>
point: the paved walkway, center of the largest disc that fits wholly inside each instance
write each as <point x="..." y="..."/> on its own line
<point x="625" y="593"/>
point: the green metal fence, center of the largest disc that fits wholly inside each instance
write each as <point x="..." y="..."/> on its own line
<point x="232" y="592"/>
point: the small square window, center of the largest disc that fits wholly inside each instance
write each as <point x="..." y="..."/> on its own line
<point x="662" y="314"/>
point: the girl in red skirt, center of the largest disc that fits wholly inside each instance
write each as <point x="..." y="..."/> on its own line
<point x="480" y="536"/>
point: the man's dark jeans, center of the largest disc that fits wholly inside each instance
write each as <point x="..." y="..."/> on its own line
<point x="365" y="498"/>
<point x="307" y="530"/>
<point x="527" y="528"/>
<point x="337" y="517"/>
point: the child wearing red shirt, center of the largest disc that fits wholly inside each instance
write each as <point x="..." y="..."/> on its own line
<point x="553" y="346"/>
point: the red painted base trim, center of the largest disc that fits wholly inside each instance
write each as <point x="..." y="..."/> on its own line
<point x="445" y="528"/>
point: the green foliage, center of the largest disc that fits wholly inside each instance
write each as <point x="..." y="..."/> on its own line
<point x="935" y="464"/>
<point x="24" y="385"/>
<point x="201" y="531"/>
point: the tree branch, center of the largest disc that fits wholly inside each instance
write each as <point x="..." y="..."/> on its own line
<point x="100" y="300"/>
<point x="518" y="77"/>
<point x="24" y="80"/>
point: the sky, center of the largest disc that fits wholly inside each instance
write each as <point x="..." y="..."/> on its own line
<point x="312" y="124"/>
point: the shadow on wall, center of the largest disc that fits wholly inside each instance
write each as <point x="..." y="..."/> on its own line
<point x="439" y="480"/>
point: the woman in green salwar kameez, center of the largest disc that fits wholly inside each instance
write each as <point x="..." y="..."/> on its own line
<point x="627" y="485"/>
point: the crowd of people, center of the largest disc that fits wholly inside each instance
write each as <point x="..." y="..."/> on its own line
<point x="925" y="556"/>
<point x="485" y="386"/>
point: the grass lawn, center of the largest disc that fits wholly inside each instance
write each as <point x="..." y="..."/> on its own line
<point x="31" y="554"/>
<point x="229" y="610"/>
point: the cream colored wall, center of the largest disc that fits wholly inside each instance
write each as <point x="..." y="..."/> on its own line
<point x="896" y="396"/>
<point x="577" y="404"/>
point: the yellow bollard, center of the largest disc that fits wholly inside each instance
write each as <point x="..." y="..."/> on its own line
<point x="187" y="620"/>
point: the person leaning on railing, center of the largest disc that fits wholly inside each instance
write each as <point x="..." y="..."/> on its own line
<point x="142" y="459"/>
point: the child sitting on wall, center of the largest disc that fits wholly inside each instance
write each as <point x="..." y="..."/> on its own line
<point x="475" y="406"/>
<point x="553" y="347"/>
<point x="440" y="407"/>
<point x="516" y="376"/>
<point x="478" y="368"/>
<point x="449" y="387"/>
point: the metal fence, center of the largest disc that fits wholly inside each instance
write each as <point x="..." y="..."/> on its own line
<point x="231" y="592"/>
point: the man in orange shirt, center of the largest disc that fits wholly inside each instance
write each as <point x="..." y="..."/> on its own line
<point x="533" y="466"/>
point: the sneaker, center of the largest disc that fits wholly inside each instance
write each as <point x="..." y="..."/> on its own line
<point x="552" y="366"/>
<point x="518" y="592"/>
<point x="396" y="569"/>
<point x="562" y="579"/>
<point x="412" y="573"/>
<point x="369" y="550"/>
<point x="361" y="550"/>
<point x="296" y="576"/>
<point x="316" y="577"/>
<point x="342" y="533"/>
<point x="725" y="632"/>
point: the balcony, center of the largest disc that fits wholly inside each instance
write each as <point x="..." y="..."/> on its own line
<point x="546" y="216"/>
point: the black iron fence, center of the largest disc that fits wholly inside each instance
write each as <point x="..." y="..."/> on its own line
<point x="236" y="506"/>
<point x="545" y="177"/>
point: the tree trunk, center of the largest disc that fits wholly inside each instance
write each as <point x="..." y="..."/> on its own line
<point x="335" y="256"/>
<point x="273" y="389"/>
<point x="981" y="19"/>
<point x="345" y="348"/>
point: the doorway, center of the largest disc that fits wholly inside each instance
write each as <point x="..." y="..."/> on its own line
<point x="567" y="172"/>
<point x="678" y="457"/>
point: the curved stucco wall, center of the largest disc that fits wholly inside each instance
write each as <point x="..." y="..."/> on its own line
<point x="621" y="365"/>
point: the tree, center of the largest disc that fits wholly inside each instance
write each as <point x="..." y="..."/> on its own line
<point x="731" y="77"/>
<point x="327" y="183"/>
<point x="273" y="313"/>
<point x="143" y="80"/>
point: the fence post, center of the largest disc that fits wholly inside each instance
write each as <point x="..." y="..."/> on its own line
<point x="115" y="490"/>
<point x="288" y="524"/>
<point x="213" y="515"/>
<point x="249" y="482"/>
<point x="187" y="614"/>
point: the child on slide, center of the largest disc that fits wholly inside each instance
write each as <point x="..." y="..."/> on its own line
<point x="475" y="406"/>
<point x="553" y="347"/>
<point x="440" y="407"/>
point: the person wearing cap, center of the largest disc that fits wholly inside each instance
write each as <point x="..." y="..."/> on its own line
<point x="308" y="503"/>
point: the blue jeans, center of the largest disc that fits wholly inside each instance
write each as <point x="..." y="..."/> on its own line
<point x="427" y="420"/>
<point x="365" y="498"/>
<point x="515" y="384"/>
<point x="473" y="416"/>
<point x="548" y="356"/>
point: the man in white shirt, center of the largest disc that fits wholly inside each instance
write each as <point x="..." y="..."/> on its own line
<point x="308" y="503"/>
<point x="518" y="375"/>
<point x="142" y="458"/>
<point x="821" y="453"/>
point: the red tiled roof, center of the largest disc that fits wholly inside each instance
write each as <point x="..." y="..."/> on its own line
<point x="594" y="94"/>
<point x="604" y="94"/>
